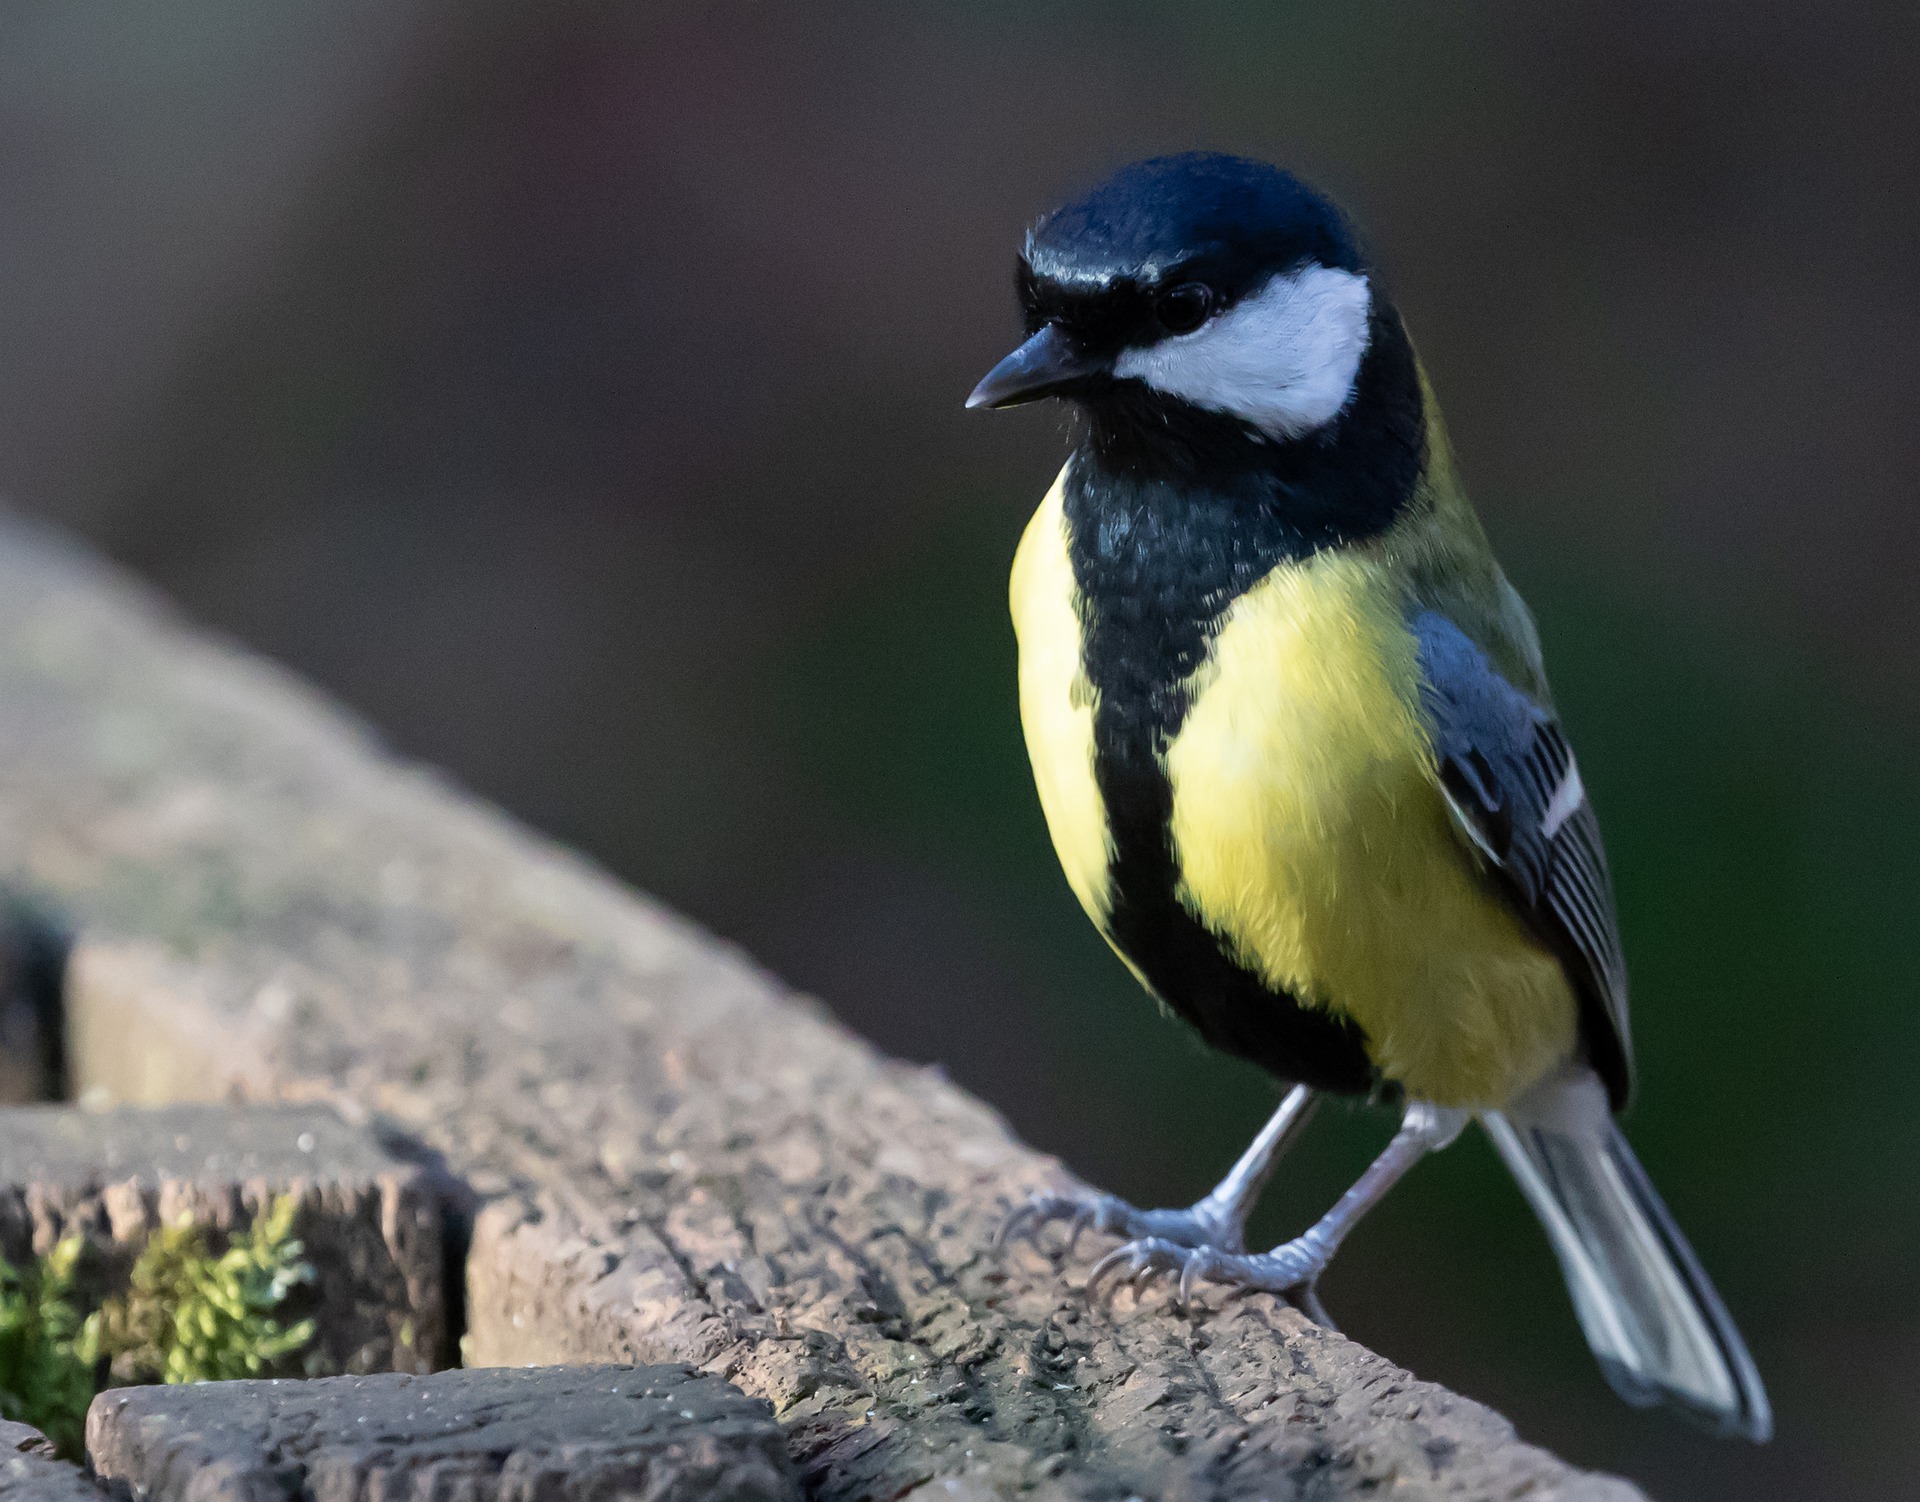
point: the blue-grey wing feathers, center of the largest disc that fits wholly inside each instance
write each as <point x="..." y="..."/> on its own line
<point x="1514" y="789"/>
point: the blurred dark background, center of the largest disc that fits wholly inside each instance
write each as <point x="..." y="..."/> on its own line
<point x="575" y="390"/>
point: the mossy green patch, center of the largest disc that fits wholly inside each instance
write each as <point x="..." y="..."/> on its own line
<point x="44" y="1380"/>
<point x="187" y="1314"/>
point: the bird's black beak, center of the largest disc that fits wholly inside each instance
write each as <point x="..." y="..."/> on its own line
<point x="1045" y="365"/>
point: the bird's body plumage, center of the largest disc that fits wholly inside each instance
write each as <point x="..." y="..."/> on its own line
<point x="1294" y="815"/>
<point x="1294" y="743"/>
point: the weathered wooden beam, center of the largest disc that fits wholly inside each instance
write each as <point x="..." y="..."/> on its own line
<point x="558" y="1434"/>
<point x="31" y="1472"/>
<point x="677" y="1159"/>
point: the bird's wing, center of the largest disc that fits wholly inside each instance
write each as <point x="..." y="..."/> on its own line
<point x="1514" y="790"/>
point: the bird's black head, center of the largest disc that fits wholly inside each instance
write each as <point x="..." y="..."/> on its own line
<point x="1201" y="300"/>
<point x="1222" y="222"/>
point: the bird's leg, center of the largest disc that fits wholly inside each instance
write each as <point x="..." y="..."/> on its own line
<point x="1227" y="1206"/>
<point x="1218" y="1220"/>
<point x="1293" y="1267"/>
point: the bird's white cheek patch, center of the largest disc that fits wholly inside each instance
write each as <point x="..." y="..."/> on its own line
<point x="1283" y="359"/>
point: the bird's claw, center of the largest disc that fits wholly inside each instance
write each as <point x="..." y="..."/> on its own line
<point x="1140" y="1262"/>
<point x="1111" y="1216"/>
<point x="1292" y="1271"/>
<point x="1028" y="1219"/>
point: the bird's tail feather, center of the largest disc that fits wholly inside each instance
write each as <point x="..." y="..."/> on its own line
<point x="1654" y="1321"/>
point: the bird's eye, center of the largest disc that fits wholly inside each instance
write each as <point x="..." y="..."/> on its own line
<point x="1184" y="308"/>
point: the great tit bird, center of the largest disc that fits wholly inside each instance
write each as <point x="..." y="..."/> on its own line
<point x="1296" y="750"/>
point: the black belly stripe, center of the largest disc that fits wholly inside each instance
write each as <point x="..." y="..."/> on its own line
<point x="1138" y="652"/>
<point x="1158" y="558"/>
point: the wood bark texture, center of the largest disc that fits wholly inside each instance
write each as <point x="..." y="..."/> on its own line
<point x="670" y="1156"/>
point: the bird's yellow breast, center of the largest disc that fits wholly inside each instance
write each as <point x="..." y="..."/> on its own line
<point x="1056" y="703"/>
<point x="1311" y="834"/>
<point x="1308" y="827"/>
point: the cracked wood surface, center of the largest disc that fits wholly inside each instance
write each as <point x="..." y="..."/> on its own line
<point x="556" y="1434"/>
<point x="674" y="1158"/>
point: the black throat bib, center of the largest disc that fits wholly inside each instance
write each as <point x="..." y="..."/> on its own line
<point x="1164" y="532"/>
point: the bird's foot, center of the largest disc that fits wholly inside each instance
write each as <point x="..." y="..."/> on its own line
<point x="1291" y="1270"/>
<point x="1114" y="1217"/>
